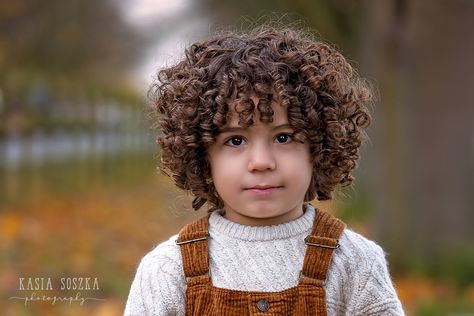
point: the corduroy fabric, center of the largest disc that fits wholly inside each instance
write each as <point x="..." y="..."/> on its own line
<point x="306" y="298"/>
<point x="194" y="247"/>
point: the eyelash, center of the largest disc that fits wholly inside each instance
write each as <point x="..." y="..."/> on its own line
<point x="227" y="142"/>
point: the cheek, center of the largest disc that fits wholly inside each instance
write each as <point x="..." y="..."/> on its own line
<point x="225" y="180"/>
<point x="221" y="169"/>
<point x="301" y="167"/>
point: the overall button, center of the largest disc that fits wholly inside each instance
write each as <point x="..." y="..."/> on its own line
<point x="263" y="305"/>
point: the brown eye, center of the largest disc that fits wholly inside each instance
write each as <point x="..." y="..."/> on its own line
<point x="235" y="141"/>
<point x="284" y="138"/>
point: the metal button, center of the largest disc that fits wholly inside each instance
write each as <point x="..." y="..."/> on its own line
<point x="263" y="305"/>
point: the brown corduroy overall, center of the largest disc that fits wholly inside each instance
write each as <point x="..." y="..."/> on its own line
<point x="307" y="298"/>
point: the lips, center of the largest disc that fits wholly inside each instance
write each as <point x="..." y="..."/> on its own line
<point x="263" y="187"/>
<point x="263" y="191"/>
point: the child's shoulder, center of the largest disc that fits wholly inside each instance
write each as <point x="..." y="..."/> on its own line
<point x="165" y="257"/>
<point x="358" y="253"/>
<point x="358" y="243"/>
<point x="158" y="285"/>
<point x="359" y="276"/>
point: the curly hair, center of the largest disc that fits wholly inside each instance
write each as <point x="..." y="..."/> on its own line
<point x="327" y="104"/>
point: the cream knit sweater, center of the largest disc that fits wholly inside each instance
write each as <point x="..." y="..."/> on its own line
<point x="267" y="259"/>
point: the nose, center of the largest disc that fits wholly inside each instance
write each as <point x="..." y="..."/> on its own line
<point x="261" y="158"/>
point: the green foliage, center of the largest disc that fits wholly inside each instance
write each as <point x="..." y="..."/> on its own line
<point x="357" y="205"/>
<point x="440" y="308"/>
<point x="456" y="265"/>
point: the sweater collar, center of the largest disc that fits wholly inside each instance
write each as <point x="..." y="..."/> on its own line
<point x="222" y="226"/>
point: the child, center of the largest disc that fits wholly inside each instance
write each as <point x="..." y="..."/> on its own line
<point x="257" y="126"/>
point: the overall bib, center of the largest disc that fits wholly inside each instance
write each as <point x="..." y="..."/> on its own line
<point x="306" y="298"/>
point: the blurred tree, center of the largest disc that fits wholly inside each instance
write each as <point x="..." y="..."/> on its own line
<point x="336" y="21"/>
<point x="54" y="52"/>
<point x="74" y="39"/>
<point x="423" y="158"/>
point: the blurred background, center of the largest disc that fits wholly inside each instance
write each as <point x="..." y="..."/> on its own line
<point x="79" y="192"/>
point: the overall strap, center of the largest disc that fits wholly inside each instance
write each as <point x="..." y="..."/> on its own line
<point x="322" y="242"/>
<point x="192" y="241"/>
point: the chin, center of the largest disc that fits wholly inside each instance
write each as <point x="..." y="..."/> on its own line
<point x="265" y="213"/>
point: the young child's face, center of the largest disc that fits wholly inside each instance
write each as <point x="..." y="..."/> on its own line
<point x="260" y="173"/>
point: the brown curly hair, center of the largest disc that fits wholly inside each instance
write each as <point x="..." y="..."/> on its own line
<point x="327" y="104"/>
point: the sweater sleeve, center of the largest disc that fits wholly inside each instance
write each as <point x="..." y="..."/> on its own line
<point x="158" y="287"/>
<point x="376" y="294"/>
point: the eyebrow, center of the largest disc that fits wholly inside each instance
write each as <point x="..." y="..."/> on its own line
<point x="239" y="128"/>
